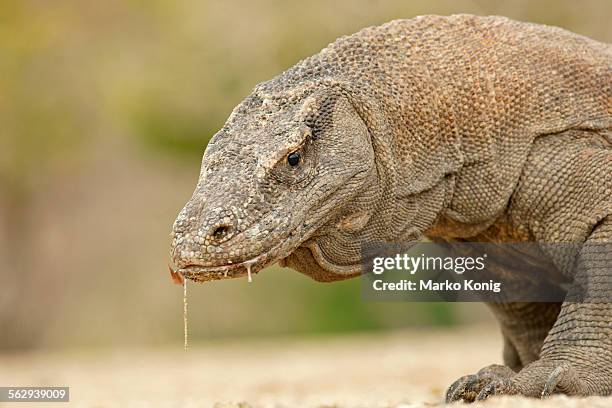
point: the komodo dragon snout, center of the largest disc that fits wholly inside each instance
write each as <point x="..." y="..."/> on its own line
<point x="275" y="178"/>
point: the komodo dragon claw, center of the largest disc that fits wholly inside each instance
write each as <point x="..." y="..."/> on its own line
<point x="565" y="378"/>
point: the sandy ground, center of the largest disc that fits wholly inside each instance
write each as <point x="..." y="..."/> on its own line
<point x="406" y="370"/>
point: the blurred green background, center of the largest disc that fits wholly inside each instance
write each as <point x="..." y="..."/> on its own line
<point x="105" y="111"/>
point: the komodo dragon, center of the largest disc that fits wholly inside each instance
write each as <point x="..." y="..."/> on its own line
<point x="473" y="128"/>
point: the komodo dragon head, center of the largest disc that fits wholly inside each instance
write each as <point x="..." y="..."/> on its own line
<point x="290" y="178"/>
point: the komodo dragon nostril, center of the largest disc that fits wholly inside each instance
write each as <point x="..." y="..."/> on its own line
<point x="220" y="231"/>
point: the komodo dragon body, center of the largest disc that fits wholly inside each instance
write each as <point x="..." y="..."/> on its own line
<point x="453" y="128"/>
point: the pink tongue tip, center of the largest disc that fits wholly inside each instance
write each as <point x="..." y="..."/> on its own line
<point x="176" y="277"/>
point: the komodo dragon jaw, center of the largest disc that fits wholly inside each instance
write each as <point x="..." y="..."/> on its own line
<point x="201" y="273"/>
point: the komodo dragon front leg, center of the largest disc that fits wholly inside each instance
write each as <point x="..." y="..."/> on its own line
<point x="576" y="357"/>
<point x="547" y="349"/>
<point x="524" y="327"/>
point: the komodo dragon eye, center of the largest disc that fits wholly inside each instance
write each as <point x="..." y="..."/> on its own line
<point x="293" y="159"/>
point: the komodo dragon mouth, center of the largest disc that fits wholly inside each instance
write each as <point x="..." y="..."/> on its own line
<point x="201" y="273"/>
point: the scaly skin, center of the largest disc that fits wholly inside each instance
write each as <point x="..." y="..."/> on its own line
<point x="455" y="128"/>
